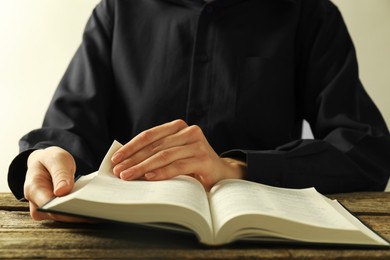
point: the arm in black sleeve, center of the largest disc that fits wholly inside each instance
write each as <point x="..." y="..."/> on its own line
<point x="351" y="150"/>
<point x="77" y="117"/>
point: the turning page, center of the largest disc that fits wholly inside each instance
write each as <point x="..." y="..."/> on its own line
<point x="181" y="200"/>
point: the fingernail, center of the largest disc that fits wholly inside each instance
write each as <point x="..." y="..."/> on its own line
<point x="117" y="157"/>
<point x="118" y="169"/>
<point x="126" y="175"/>
<point x="60" y="185"/>
<point x="150" y="175"/>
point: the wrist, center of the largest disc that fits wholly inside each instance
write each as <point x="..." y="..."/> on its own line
<point x="236" y="168"/>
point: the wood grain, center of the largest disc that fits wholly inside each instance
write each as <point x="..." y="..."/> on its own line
<point x="21" y="237"/>
<point x="365" y="203"/>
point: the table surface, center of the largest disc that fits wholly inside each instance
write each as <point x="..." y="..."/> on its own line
<point x="21" y="237"/>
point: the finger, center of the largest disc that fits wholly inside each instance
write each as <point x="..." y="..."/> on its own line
<point x="181" y="138"/>
<point x="146" y="138"/>
<point x="159" y="160"/>
<point x="38" y="187"/>
<point x="35" y="214"/>
<point x="186" y="166"/>
<point x="62" y="167"/>
<point x="190" y="166"/>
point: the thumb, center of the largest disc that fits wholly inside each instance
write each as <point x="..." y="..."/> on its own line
<point x="62" y="185"/>
<point x="62" y="167"/>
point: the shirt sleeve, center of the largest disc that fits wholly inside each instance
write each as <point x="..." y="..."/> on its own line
<point x="351" y="149"/>
<point x="79" y="109"/>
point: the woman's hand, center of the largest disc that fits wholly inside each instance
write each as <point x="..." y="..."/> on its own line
<point x="174" y="149"/>
<point x="50" y="174"/>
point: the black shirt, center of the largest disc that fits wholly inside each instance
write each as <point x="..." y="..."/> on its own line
<point x="246" y="71"/>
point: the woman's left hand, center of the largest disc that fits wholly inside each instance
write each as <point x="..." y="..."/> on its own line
<point x="173" y="149"/>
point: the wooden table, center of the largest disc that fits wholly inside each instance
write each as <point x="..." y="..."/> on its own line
<point x="21" y="237"/>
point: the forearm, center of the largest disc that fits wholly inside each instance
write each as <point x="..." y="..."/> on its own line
<point x="315" y="163"/>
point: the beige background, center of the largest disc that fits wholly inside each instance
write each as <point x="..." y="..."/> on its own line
<point x="39" y="37"/>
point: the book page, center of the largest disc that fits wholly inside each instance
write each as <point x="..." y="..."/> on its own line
<point x="82" y="181"/>
<point x="181" y="200"/>
<point x="231" y="198"/>
<point x="181" y="191"/>
<point x="368" y="232"/>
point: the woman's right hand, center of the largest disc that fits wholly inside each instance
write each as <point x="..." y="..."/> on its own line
<point x="50" y="173"/>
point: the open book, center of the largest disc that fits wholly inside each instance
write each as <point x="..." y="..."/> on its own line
<point x="232" y="210"/>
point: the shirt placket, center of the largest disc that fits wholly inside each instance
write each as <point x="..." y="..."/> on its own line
<point x="199" y="89"/>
